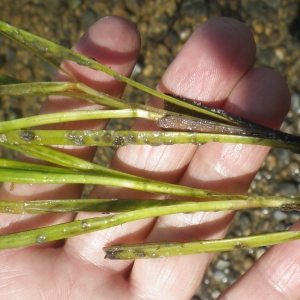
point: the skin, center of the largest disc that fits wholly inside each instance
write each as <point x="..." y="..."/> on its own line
<point x="215" y="67"/>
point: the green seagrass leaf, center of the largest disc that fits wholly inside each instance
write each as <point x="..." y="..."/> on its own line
<point x="4" y="80"/>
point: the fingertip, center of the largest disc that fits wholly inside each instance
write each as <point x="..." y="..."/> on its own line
<point x="262" y="96"/>
<point x="112" y="41"/>
<point x="212" y="61"/>
<point x="114" y="33"/>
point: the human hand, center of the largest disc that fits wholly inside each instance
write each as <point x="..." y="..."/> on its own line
<point x="214" y="67"/>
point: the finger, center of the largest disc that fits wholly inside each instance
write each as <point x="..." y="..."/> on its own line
<point x="102" y="42"/>
<point x="112" y="41"/>
<point x="220" y="52"/>
<point x="261" y="96"/>
<point x="227" y="168"/>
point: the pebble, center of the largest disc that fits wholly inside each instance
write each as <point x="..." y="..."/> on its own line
<point x="148" y="70"/>
<point x="258" y="27"/>
<point x="184" y="34"/>
<point x="287" y="189"/>
<point x="259" y="252"/>
<point x="280" y="52"/>
<point x="73" y="4"/>
<point x="295" y="103"/>
<point x="294" y="216"/>
<point x="215" y="294"/>
<point x="248" y="262"/>
<point x="138" y="68"/>
<point x="280" y="215"/>
<point x="87" y="18"/>
<point x="220" y="276"/>
<point x="293" y="168"/>
<point x="222" y="264"/>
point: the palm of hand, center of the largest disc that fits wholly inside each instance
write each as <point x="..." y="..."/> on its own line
<point x="214" y="66"/>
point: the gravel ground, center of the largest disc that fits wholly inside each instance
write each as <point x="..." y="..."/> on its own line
<point x="165" y="26"/>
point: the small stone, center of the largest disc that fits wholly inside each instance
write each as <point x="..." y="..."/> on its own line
<point x="194" y="8"/>
<point x="259" y="252"/>
<point x="148" y="70"/>
<point x="88" y="17"/>
<point x="280" y="215"/>
<point x="294" y="216"/>
<point x="268" y="30"/>
<point x="133" y="5"/>
<point x="274" y="3"/>
<point x="220" y="276"/>
<point x="245" y="219"/>
<point x="171" y="40"/>
<point x="258" y="27"/>
<point x="185" y="34"/>
<point x="295" y="103"/>
<point x="287" y="189"/>
<point x="271" y="162"/>
<point x="73" y="4"/>
<point x="283" y="156"/>
<point x="137" y="70"/>
<point x="280" y="52"/>
<point x="215" y="294"/>
<point x="25" y="74"/>
<point x="222" y="264"/>
<point x="248" y="262"/>
<point x="293" y="168"/>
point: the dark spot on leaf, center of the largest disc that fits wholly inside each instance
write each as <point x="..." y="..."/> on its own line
<point x="112" y="254"/>
<point x="27" y="136"/>
<point x="75" y="138"/>
<point x="118" y="141"/>
<point x="139" y="253"/>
